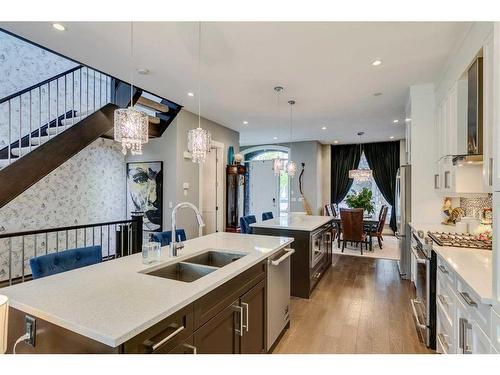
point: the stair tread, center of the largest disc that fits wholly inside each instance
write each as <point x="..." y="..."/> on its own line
<point x="148" y="103"/>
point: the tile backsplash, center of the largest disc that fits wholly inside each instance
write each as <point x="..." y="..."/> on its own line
<point x="473" y="206"/>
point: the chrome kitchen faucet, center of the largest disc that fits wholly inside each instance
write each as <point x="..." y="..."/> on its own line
<point x="174" y="245"/>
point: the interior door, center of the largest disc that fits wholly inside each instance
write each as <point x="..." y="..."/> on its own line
<point x="264" y="189"/>
<point x="220" y="335"/>
<point x="212" y="192"/>
<point x="253" y="302"/>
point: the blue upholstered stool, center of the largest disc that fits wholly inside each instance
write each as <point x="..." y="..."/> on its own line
<point x="267" y="216"/>
<point x="50" y="264"/>
<point x="245" y="222"/>
<point x="164" y="238"/>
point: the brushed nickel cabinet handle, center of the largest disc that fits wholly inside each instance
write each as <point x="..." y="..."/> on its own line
<point x="443" y="299"/>
<point x="239" y="310"/>
<point x="443" y="269"/>
<point x="490" y="172"/>
<point x="247" y="325"/>
<point x="165" y="339"/>
<point x="467" y="298"/>
<point x="192" y="347"/>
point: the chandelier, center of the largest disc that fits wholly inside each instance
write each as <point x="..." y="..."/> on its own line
<point x="360" y="174"/>
<point x="131" y="127"/>
<point x="291" y="166"/>
<point x="199" y="140"/>
<point x="277" y="162"/>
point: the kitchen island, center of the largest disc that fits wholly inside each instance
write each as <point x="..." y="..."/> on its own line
<point x="313" y="237"/>
<point x="117" y="307"/>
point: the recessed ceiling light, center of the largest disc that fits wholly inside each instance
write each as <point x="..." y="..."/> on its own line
<point x="407" y="119"/>
<point x="323" y="128"/>
<point x="245" y="122"/>
<point x="377" y="94"/>
<point x="275" y="138"/>
<point x="335" y="142"/>
<point x="391" y="137"/>
<point x="377" y="62"/>
<point x="190" y="94"/>
<point x="59" y="27"/>
<point x="395" y="121"/>
<point x="143" y="71"/>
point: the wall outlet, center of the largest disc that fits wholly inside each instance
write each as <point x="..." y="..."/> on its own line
<point x="30" y="329"/>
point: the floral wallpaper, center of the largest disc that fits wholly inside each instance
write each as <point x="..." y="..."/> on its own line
<point x="88" y="188"/>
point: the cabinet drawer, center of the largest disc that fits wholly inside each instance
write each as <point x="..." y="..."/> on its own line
<point x="218" y="299"/>
<point x="495" y="330"/>
<point x="164" y="336"/>
<point x="445" y="271"/>
<point x="478" y="311"/>
<point x="444" y="333"/>
<point x="445" y="300"/>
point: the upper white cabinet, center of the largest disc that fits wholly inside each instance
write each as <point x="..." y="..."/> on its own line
<point x="451" y="131"/>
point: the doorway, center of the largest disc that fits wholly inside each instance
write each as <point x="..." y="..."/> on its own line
<point x="264" y="189"/>
<point x="212" y="190"/>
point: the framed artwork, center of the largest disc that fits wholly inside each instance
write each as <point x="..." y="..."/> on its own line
<point x="145" y="192"/>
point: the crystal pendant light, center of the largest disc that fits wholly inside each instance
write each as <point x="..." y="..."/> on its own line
<point x="360" y="174"/>
<point x="199" y="140"/>
<point x="291" y="166"/>
<point x="131" y="127"/>
<point x="277" y="162"/>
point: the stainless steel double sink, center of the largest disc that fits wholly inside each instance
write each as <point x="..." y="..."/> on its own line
<point x="197" y="266"/>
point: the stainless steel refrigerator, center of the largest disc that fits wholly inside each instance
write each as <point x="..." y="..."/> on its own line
<point x="403" y="218"/>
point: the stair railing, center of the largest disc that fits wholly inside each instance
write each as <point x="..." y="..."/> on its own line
<point x="116" y="238"/>
<point x="39" y="112"/>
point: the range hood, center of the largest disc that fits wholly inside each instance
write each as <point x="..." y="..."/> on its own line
<point x="474" y="129"/>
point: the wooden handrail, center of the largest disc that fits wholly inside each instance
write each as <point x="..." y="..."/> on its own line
<point x="61" y="229"/>
<point x="48" y="80"/>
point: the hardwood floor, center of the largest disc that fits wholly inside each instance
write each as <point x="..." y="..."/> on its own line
<point x="360" y="306"/>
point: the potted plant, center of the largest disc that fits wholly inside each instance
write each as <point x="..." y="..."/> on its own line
<point x="363" y="200"/>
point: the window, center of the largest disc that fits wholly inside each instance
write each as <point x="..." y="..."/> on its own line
<point x="378" y="198"/>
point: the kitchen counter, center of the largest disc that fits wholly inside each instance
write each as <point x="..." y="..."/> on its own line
<point x="306" y="223"/>
<point x="473" y="266"/>
<point x="113" y="301"/>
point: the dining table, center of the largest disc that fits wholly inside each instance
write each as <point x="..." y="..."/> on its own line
<point x="368" y="221"/>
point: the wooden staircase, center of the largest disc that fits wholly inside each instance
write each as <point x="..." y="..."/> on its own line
<point x="51" y="121"/>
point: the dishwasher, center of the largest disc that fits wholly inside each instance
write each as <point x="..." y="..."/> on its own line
<point x="278" y="294"/>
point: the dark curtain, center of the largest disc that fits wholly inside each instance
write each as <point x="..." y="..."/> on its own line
<point x="383" y="159"/>
<point x="344" y="158"/>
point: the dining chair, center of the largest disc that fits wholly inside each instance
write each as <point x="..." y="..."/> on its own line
<point x="164" y="238"/>
<point x="378" y="230"/>
<point x="245" y="222"/>
<point x="328" y="210"/>
<point x="352" y="228"/>
<point x="267" y="216"/>
<point x="67" y="260"/>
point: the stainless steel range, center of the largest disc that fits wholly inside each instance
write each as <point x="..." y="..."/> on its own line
<point x="460" y="240"/>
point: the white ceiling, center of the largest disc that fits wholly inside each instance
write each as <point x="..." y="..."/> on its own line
<point x="325" y="67"/>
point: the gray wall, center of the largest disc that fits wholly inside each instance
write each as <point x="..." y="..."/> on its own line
<point x="178" y="170"/>
<point x="316" y="157"/>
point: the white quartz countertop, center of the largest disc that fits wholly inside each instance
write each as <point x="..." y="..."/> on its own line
<point x="294" y="222"/>
<point x="113" y="301"/>
<point x="473" y="266"/>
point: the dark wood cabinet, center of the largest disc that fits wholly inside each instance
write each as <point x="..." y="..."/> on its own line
<point x="220" y="335"/>
<point x="230" y="319"/>
<point x="305" y="273"/>
<point x="254" y="336"/>
<point x="235" y="183"/>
